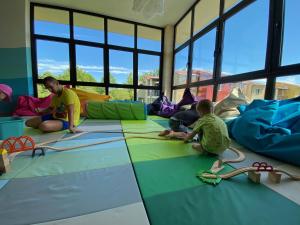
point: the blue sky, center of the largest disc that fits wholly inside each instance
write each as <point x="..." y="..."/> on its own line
<point x="244" y="50"/>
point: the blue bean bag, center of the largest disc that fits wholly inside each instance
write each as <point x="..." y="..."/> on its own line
<point x="271" y="128"/>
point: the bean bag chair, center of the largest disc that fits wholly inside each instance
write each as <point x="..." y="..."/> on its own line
<point x="85" y="97"/>
<point x="116" y="110"/>
<point x="228" y="107"/>
<point x="271" y="128"/>
<point x="26" y="105"/>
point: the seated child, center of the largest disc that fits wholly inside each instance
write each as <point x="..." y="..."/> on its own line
<point x="63" y="112"/>
<point x="211" y="130"/>
<point x="5" y="92"/>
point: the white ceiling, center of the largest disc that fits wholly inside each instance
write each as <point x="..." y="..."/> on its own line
<point x="174" y="9"/>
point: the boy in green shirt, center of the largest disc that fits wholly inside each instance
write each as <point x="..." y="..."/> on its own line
<point x="212" y="131"/>
<point x="64" y="110"/>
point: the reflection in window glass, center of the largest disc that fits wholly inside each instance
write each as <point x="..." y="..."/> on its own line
<point x="245" y="40"/>
<point x="205" y="12"/>
<point x="53" y="59"/>
<point x="92" y="89"/>
<point x="89" y="62"/>
<point x="287" y="87"/>
<point x="203" y="92"/>
<point x="183" y="30"/>
<point x="42" y="91"/>
<point x="121" y="94"/>
<point x="120" y="33"/>
<point x="203" y="57"/>
<point x="120" y="67"/>
<point x="252" y="89"/>
<point x="230" y="3"/>
<point x="51" y="22"/>
<point x="177" y="95"/>
<point x="147" y="96"/>
<point x="88" y="28"/>
<point x="291" y="37"/>
<point x="149" y="38"/>
<point x="180" y="70"/>
<point x="148" y="70"/>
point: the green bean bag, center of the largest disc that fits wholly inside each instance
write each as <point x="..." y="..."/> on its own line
<point x="117" y="110"/>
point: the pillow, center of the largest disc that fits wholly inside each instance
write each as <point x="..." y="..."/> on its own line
<point x="228" y="106"/>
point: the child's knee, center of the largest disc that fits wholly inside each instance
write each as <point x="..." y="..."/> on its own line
<point x="44" y="126"/>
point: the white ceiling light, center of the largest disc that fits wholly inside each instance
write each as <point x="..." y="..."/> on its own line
<point x="149" y="8"/>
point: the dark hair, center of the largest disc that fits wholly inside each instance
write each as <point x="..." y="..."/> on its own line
<point x="205" y="105"/>
<point x="49" y="79"/>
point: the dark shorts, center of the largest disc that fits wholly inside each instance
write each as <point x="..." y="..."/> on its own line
<point x="65" y="124"/>
<point x="177" y="125"/>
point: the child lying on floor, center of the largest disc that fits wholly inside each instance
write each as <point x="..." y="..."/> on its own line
<point x="212" y="131"/>
<point x="5" y="92"/>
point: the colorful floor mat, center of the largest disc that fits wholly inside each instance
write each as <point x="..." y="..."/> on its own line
<point x="166" y="173"/>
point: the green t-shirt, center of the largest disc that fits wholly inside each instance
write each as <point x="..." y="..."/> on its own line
<point x="215" y="138"/>
<point x="60" y="103"/>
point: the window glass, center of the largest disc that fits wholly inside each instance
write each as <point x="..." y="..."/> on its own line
<point x="149" y="38"/>
<point x="89" y="61"/>
<point x="42" y="91"/>
<point x="252" y="89"/>
<point x="287" y="87"/>
<point x="147" y="95"/>
<point x="120" y="67"/>
<point x="120" y="33"/>
<point x="93" y="89"/>
<point x="203" y="57"/>
<point x="203" y="92"/>
<point x="121" y="94"/>
<point x="245" y="40"/>
<point x="177" y="95"/>
<point x="291" y="37"/>
<point x="88" y="28"/>
<point x="230" y="3"/>
<point x="180" y="70"/>
<point x="183" y="30"/>
<point x="205" y="12"/>
<point x="148" y="70"/>
<point x="51" y="22"/>
<point x="53" y="59"/>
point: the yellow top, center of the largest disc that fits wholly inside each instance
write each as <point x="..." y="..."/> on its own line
<point x="68" y="97"/>
<point x="3" y="151"/>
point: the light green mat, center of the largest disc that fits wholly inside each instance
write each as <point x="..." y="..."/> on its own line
<point x="146" y="149"/>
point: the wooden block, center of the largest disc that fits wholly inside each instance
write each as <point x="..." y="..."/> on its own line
<point x="254" y="176"/>
<point x="274" y="177"/>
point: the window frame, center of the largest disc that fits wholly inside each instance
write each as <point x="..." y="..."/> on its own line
<point x="272" y="67"/>
<point x="72" y="42"/>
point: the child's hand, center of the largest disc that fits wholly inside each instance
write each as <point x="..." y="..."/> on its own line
<point x="72" y="129"/>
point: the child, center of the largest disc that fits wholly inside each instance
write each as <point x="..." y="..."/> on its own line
<point x="64" y="110"/>
<point x="5" y="92"/>
<point x="211" y="130"/>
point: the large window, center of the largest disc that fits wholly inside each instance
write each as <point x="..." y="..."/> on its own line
<point x="245" y="40"/>
<point x="291" y="37"/>
<point x="96" y="53"/>
<point x="244" y="49"/>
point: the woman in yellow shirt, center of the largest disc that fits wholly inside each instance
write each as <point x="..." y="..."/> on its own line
<point x="63" y="112"/>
